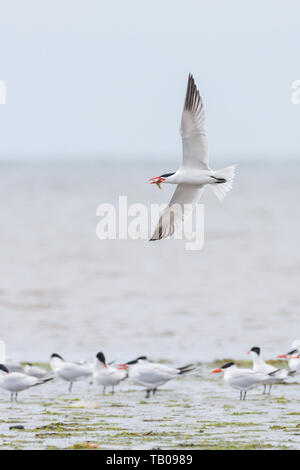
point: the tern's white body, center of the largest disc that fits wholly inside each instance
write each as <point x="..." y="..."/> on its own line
<point x="294" y="363"/>
<point x="194" y="173"/>
<point x="108" y="375"/>
<point x="15" y="382"/>
<point x="196" y="177"/>
<point x="151" y="375"/>
<point x="35" y="371"/>
<point x="70" y="371"/>
<point x="259" y="365"/>
<point x="241" y="379"/>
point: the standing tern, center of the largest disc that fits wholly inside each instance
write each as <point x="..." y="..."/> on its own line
<point x="35" y="371"/>
<point x="241" y="379"/>
<point x="16" y="382"/>
<point x="292" y="356"/>
<point x="194" y="173"/>
<point x="151" y="375"/>
<point x="259" y="365"/>
<point x="70" y="371"/>
<point x="108" y="375"/>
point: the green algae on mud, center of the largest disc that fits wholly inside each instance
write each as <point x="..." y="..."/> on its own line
<point x="192" y="413"/>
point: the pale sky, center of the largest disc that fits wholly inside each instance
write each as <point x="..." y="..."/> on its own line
<point x="109" y="77"/>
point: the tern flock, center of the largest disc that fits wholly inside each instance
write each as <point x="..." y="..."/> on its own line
<point x="190" y="180"/>
<point x="147" y="374"/>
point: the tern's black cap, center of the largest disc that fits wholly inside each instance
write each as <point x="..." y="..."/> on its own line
<point x="292" y="352"/>
<point x="100" y="356"/>
<point x="255" y="349"/>
<point x="166" y="175"/>
<point x="3" y="368"/>
<point x="228" y="364"/>
<point x="142" y="358"/>
<point x="56" y="355"/>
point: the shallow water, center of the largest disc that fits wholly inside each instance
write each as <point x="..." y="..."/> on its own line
<point x="195" y="412"/>
<point x="63" y="290"/>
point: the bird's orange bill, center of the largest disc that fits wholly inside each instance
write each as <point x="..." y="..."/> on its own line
<point x="157" y="180"/>
<point x="215" y="371"/>
<point x="288" y="356"/>
<point x="122" y="366"/>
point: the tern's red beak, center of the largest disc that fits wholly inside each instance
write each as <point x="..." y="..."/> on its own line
<point x="282" y="356"/>
<point x="249" y="352"/>
<point x="215" y="371"/>
<point x="123" y="366"/>
<point x="157" y="180"/>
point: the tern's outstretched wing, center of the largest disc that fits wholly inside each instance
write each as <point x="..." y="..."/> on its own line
<point x="171" y="219"/>
<point x="194" y="140"/>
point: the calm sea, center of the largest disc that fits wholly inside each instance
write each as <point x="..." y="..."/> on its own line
<point x="63" y="290"/>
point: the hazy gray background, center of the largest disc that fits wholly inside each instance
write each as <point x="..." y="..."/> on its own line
<point x="91" y="84"/>
<point x="105" y="78"/>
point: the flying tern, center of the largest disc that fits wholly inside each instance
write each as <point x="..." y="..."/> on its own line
<point x="194" y="173"/>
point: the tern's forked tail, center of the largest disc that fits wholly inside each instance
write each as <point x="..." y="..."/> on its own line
<point x="187" y="369"/>
<point x="43" y="381"/>
<point x="221" y="189"/>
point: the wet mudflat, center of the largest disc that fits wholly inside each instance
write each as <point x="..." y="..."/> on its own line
<point x="195" y="412"/>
